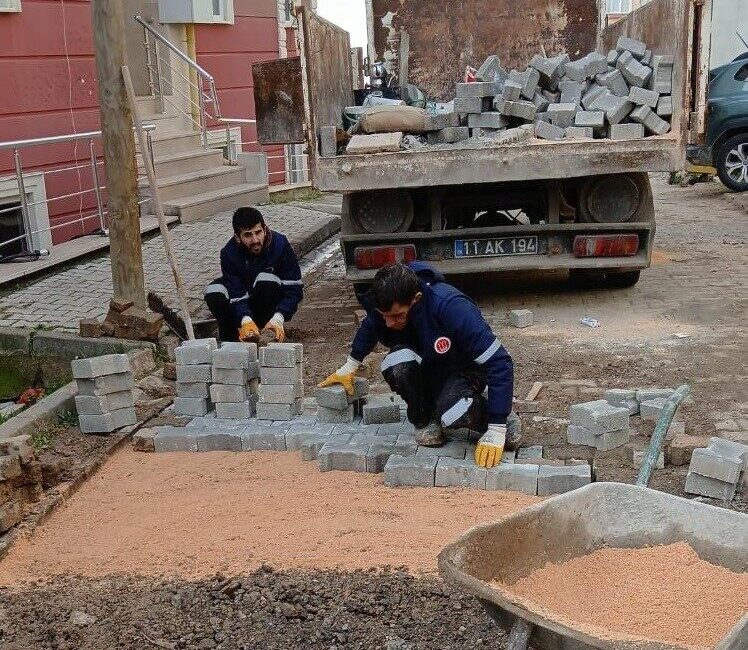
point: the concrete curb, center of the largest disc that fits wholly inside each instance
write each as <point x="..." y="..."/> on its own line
<point x="317" y="237"/>
<point x="44" y="411"/>
<point x="64" y="345"/>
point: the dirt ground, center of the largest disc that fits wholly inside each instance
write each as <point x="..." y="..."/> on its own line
<point x="683" y="323"/>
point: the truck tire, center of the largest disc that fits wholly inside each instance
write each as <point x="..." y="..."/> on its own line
<point x="616" y="198"/>
<point x="379" y="212"/>
<point x="731" y="162"/>
<point x="586" y="279"/>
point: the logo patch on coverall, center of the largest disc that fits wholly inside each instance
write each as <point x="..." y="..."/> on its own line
<point x="442" y="345"/>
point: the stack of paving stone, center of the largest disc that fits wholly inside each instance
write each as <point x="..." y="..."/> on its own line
<point x="105" y="400"/>
<point x="235" y="376"/>
<point x="651" y="402"/>
<point x="718" y="470"/>
<point x="281" y="391"/>
<point x="599" y="424"/>
<point x="335" y="406"/>
<point x="194" y="375"/>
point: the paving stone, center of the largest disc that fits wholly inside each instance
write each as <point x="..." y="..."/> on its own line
<point x="520" y="318"/>
<point x="557" y="480"/>
<point x="235" y="410"/>
<point x="530" y="453"/>
<point x="374" y="143"/>
<point x="380" y="412"/>
<point x="193" y="406"/>
<point x="595" y="119"/>
<point x="219" y="441"/>
<point x="588" y="99"/>
<point x="195" y="352"/>
<point x="280" y="394"/>
<point x="279" y="412"/>
<point x="512" y="91"/>
<point x="344" y="457"/>
<point x="541" y="103"/>
<point x="297" y="431"/>
<point x="107" y="422"/>
<point x="410" y="471"/>
<point x="643" y="97"/>
<point x="194" y="374"/>
<point x="528" y="80"/>
<point x="106" y="384"/>
<point x="196" y="389"/>
<point x="709" y="487"/>
<point x="264" y="439"/>
<point x="488" y="120"/>
<point x="571" y="92"/>
<point x="449" y="135"/>
<point x="577" y="435"/>
<point x="92" y="405"/>
<point x="144" y="440"/>
<point x="665" y="106"/>
<point x="600" y="417"/>
<point x="490" y="69"/>
<point x="406" y="445"/>
<point x="451" y="472"/>
<point x="469" y="105"/>
<point x="521" y="108"/>
<point x="335" y="416"/>
<point x="547" y="131"/>
<point x="615" y="82"/>
<point x="109" y="364"/>
<point x="229" y="376"/>
<point x="661" y="80"/>
<point x="707" y="462"/>
<point x="612" y="57"/>
<point x="577" y="132"/>
<point x="652" y="410"/>
<point x="631" y="45"/>
<point x="176" y="439"/>
<point x="281" y="376"/>
<point x="311" y="443"/>
<point x="616" y="108"/>
<point x="478" y="89"/>
<point x="278" y="355"/>
<point x="332" y="397"/>
<point x="634" y="72"/>
<point x="562" y="115"/>
<point x="451" y="449"/>
<point x="649" y="394"/>
<point x="395" y="428"/>
<point x="234" y="356"/>
<point x="513" y="477"/>
<point x="377" y="456"/>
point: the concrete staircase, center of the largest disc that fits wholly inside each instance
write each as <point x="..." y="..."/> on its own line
<point x="195" y="182"/>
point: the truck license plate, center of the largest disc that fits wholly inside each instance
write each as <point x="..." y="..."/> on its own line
<point x="498" y="247"/>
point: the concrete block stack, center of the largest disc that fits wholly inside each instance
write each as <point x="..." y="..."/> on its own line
<point x="235" y="373"/>
<point x="719" y="470"/>
<point x="194" y="361"/>
<point x="105" y="399"/>
<point x="281" y="390"/>
<point x="598" y="424"/>
<point x="335" y="406"/>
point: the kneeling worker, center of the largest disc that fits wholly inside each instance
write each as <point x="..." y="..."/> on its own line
<point x="261" y="286"/>
<point x="442" y="355"/>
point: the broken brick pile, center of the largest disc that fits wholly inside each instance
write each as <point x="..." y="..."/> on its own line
<point x="281" y="391"/>
<point x="20" y="479"/>
<point x="105" y="400"/>
<point x="622" y="95"/>
<point x="124" y="321"/>
<point x="235" y="376"/>
<point x="718" y="470"/>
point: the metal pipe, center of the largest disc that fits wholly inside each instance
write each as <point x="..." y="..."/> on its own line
<point x="24" y="201"/>
<point x="56" y="139"/>
<point x="203" y="117"/>
<point x="159" y="76"/>
<point x="660" y="431"/>
<point x="149" y="141"/>
<point x="149" y="62"/>
<point x="97" y="189"/>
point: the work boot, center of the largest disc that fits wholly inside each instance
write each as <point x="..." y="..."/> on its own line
<point x="513" y="432"/>
<point x="432" y="435"/>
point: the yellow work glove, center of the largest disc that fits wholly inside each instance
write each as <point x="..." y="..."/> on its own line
<point x="276" y="325"/>
<point x="248" y="331"/>
<point x="491" y="446"/>
<point x="345" y="376"/>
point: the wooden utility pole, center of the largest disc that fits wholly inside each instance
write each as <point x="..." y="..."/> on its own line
<point x="119" y="152"/>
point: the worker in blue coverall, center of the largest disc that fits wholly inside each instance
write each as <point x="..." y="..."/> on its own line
<point x="261" y="285"/>
<point x="442" y="356"/>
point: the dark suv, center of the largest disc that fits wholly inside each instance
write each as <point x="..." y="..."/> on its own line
<point x="727" y="124"/>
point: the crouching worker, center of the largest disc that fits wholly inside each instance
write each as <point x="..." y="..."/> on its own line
<point x="442" y="356"/>
<point x="261" y="286"/>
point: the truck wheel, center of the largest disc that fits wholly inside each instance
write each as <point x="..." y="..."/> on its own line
<point x="732" y="163"/>
<point x="616" y="198"/>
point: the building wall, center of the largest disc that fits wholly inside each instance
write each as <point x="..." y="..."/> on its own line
<point x="228" y="52"/>
<point x="727" y="16"/>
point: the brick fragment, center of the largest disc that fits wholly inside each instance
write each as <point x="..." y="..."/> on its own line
<point x="144" y="440"/>
<point x="89" y="328"/>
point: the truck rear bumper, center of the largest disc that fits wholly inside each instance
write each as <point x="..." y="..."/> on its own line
<point x="555" y="249"/>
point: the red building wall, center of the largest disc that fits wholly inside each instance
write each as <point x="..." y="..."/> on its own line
<point x="48" y="82"/>
<point x="228" y="52"/>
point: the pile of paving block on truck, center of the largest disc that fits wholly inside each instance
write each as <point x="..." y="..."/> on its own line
<point x="622" y="95"/>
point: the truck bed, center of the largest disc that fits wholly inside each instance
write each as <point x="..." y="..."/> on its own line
<point x="536" y="159"/>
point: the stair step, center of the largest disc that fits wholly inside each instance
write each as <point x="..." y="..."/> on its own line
<point x="197" y="182"/>
<point x="183" y="162"/>
<point x="206" y="204"/>
<point x="169" y="143"/>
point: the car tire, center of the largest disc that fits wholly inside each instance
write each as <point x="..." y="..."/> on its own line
<point x="731" y="162"/>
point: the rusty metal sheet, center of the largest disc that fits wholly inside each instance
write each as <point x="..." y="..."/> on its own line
<point x="279" y="101"/>
<point x="666" y="27"/>
<point x="447" y="37"/>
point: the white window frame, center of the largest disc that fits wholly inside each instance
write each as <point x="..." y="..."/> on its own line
<point x="36" y="195"/>
<point x="226" y="17"/>
<point x="618" y="6"/>
<point x="10" y="6"/>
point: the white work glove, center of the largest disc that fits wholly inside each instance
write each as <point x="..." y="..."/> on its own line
<point x="345" y="376"/>
<point x="277" y="319"/>
<point x="274" y="328"/>
<point x="490" y="447"/>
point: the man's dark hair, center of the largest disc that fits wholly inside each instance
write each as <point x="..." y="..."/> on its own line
<point x="394" y="284"/>
<point x="246" y="218"/>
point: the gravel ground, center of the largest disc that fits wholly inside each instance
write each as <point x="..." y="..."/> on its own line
<point x="271" y="610"/>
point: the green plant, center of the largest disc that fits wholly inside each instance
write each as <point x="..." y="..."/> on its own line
<point x="43" y="438"/>
<point x="68" y="419"/>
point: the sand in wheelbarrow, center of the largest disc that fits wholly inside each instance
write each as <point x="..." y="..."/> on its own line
<point x="662" y="593"/>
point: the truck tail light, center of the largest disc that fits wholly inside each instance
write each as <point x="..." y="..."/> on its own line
<point x="375" y="257"/>
<point x="606" y="245"/>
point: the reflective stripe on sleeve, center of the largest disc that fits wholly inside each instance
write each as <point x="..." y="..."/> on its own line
<point x="399" y="356"/>
<point x="454" y="413"/>
<point x="492" y="349"/>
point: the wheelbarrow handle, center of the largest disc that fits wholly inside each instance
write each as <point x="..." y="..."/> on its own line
<point x="660" y="431"/>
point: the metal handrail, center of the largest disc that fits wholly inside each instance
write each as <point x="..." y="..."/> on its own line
<point x="57" y="139"/>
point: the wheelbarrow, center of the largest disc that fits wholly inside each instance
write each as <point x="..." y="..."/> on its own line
<point x="578" y="523"/>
